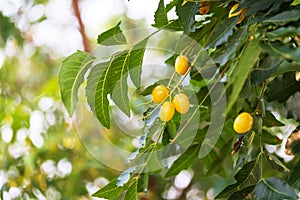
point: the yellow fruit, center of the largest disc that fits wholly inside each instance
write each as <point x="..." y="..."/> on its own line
<point x="167" y="111"/>
<point x="243" y="123"/>
<point x="204" y="7"/>
<point x="181" y="64"/>
<point x="160" y="93"/>
<point x="181" y="103"/>
<point x="232" y="13"/>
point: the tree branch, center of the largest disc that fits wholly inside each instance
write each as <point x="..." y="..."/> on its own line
<point x="75" y="5"/>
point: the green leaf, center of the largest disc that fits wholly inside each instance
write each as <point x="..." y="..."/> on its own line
<point x="131" y="193"/>
<point x="215" y="158"/>
<point x="222" y="33"/>
<point x="254" y="6"/>
<point x="171" y="60"/>
<point x="286" y="66"/>
<point x="242" y="69"/>
<point x="171" y="5"/>
<point x="184" y="161"/>
<point x="242" y="194"/>
<point x="268" y="138"/>
<point x="267" y="66"/>
<point x="284" y="32"/>
<point x="276" y="163"/>
<point x="160" y="15"/>
<point x="228" y="51"/>
<point x="143" y="183"/>
<point x="174" y="25"/>
<point x="71" y="75"/>
<point x="135" y="62"/>
<point x="284" y="50"/>
<point x="113" y="36"/>
<point x="273" y="188"/>
<point x="295" y="2"/>
<point x="166" y="137"/>
<point x="284" y="17"/>
<point x="186" y="15"/>
<point x="148" y="90"/>
<point x="120" y="64"/>
<point x="117" y="78"/>
<point x="294" y="178"/>
<point x="110" y="191"/>
<point x="96" y="91"/>
<point x="154" y="160"/>
<point x="247" y="176"/>
<point x="270" y="120"/>
<point x="288" y="87"/>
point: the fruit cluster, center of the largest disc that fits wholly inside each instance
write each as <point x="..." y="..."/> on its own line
<point x="161" y="93"/>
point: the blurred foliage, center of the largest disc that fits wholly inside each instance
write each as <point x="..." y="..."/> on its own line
<point x="41" y="155"/>
<point x="7" y="30"/>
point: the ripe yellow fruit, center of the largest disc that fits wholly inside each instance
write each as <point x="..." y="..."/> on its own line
<point x="181" y="103"/>
<point x="232" y="13"/>
<point x="160" y="93"/>
<point x="204" y="7"/>
<point x="243" y="123"/>
<point x="167" y="111"/>
<point x="181" y="64"/>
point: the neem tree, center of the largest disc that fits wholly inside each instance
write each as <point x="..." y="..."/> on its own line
<point x="241" y="62"/>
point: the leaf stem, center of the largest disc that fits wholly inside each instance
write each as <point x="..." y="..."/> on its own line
<point x="171" y="79"/>
<point x="145" y="103"/>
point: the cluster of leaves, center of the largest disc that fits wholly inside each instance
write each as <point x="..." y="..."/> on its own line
<point x="257" y="60"/>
